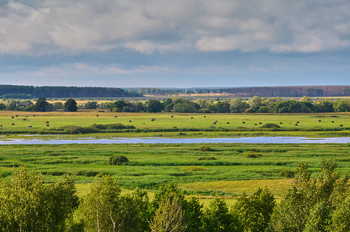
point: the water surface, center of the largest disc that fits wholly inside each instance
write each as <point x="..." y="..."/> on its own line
<point x="155" y="140"/>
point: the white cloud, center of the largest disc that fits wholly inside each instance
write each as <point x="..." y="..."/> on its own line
<point x="82" y="69"/>
<point x="146" y="26"/>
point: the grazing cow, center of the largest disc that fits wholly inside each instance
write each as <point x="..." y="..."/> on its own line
<point x="33" y="115"/>
<point x="255" y="124"/>
<point x="153" y="119"/>
<point x="130" y="121"/>
<point x="0" y="125"/>
<point x="47" y="124"/>
<point x="296" y="124"/>
<point x="214" y="122"/>
<point x="12" y="117"/>
<point x="16" y="116"/>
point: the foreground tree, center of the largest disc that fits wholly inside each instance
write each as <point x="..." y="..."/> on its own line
<point x="254" y="212"/>
<point x="105" y="209"/>
<point x="217" y="217"/>
<point x="169" y="215"/>
<point x="310" y="203"/>
<point x="28" y="204"/>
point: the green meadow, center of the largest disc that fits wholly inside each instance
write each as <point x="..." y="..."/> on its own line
<point x="219" y="169"/>
<point x="170" y="125"/>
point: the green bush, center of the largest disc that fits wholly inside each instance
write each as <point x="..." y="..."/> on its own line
<point x="251" y="154"/>
<point x="271" y="126"/>
<point x="205" y="148"/>
<point x="192" y="169"/>
<point x="207" y="158"/>
<point x="287" y="173"/>
<point x="117" y="160"/>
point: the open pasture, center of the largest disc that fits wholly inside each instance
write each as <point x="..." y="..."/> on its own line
<point x="32" y="122"/>
<point x="220" y="167"/>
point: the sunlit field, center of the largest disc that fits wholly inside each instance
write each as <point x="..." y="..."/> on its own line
<point x="323" y="124"/>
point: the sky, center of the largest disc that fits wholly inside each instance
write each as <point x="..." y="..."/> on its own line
<point x="175" y="43"/>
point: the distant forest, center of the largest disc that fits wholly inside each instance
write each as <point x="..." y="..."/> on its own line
<point x="29" y="92"/>
<point x="282" y="91"/>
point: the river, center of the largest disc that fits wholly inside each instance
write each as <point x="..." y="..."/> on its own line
<point x="155" y="140"/>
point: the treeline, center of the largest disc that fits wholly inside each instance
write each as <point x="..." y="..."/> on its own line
<point x="27" y="203"/>
<point x="181" y="105"/>
<point x="253" y="105"/>
<point x="29" y="92"/>
<point x="281" y="91"/>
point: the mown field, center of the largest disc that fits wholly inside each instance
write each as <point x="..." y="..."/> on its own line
<point x="225" y="169"/>
<point x="330" y="124"/>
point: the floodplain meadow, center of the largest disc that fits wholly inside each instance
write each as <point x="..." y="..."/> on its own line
<point x="224" y="169"/>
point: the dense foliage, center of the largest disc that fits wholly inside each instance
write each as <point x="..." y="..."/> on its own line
<point x="27" y="203"/>
<point x="180" y="105"/>
<point x="253" y="105"/>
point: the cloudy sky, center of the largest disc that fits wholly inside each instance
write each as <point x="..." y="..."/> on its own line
<point x="175" y="43"/>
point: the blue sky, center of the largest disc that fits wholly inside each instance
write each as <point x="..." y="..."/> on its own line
<point x="175" y="43"/>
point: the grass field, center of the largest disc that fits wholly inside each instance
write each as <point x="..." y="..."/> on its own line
<point x="226" y="169"/>
<point x="236" y="124"/>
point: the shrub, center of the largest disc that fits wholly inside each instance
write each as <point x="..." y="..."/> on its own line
<point x="271" y="126"/>
<point x="205" y="148"/>
<point x="192" y="169"/>
<point x="287" y="173"/>
<point x="207" y="158"/>
<point x="117" y="160"/>
<point x="251" y="154"/>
